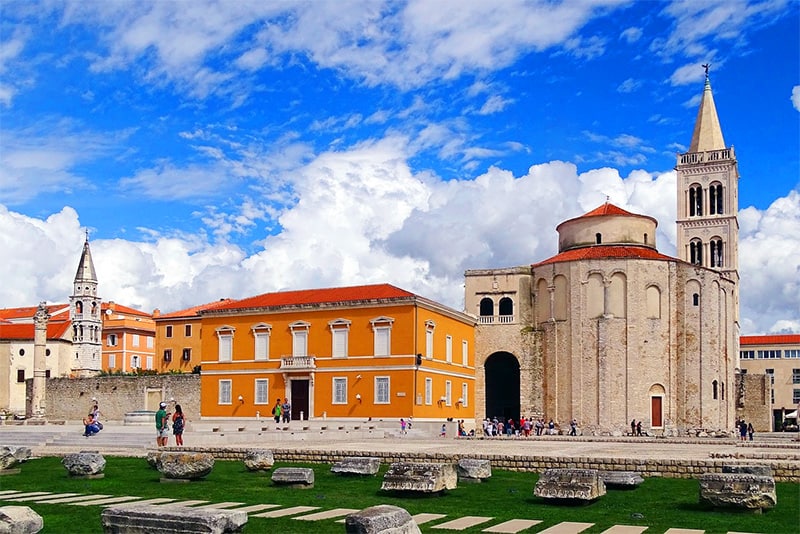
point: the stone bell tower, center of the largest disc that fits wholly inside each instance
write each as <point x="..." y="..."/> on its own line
<point x="87" y="321"/>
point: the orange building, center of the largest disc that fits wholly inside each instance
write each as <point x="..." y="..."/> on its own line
<point x="178" y="338"/>
<point x="351" y="352"/>
<point x="128" y="339"/>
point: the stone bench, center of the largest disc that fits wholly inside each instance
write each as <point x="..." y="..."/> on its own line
<point x="380" y="519"/>
<point x="151" y="519"/>
<point x="294" y="477"/>
<point x="570" y="485"/>
<point x="738" y="490"/>
<point x="420" y="477"/>
<point x="621" y="479"/>
<point x="473" y="470"/>
<point x="84" y="464"/>
<point x="359" y="465"/>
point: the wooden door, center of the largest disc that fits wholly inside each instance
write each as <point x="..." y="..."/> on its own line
<point x="656" y="415"/>
<point x="299" y="399"/>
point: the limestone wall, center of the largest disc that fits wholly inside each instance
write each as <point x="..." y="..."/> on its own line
<point x="753" y="402"/>
<point x="71" y="398"/>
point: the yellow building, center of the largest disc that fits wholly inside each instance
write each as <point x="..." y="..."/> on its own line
<point x="373" y="351"/>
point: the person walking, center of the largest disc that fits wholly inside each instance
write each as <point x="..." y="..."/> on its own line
<point x="162" y="425"/>
<point x="178" y="422"/>
<point x="286" y="410"/>
<point x="276" y="411"/>
<point x="750" y="430"/>
<point x="402" y="426"/>
<point x="573" y="427"/>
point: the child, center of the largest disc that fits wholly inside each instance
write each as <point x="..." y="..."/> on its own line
<point x="443" y="434"/>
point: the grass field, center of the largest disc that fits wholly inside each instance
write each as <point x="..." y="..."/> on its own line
<point x="658" y="503"/>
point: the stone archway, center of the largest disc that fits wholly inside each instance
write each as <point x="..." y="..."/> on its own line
<point x="501" y="371"/>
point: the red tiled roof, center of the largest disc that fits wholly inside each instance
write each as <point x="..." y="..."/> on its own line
<point x="609" y="209"/>
<point x="194" y="310"/>
<point x="24" y="331"/>
<point x="318" y="296"/>
<point x="770" y="339"/>
<point x="125" y="310"/>
<point x="606" y="252"/>
<point x="27" y="312"/>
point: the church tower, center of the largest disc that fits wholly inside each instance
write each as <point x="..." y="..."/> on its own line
<point x="87" y="321"/>
<point x="708" y="196"/>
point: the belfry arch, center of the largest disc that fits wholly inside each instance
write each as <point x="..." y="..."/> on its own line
<point x="502" y="386"/>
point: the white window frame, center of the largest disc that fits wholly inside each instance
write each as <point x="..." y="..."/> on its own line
<point x="112" y="361"/>
<point x="430" y="326"/>
<point x="429" y="391"/>
<point x="382" y="335"/>
<point x="379" y="399"/>
<point x="134" y="340"/>
<point x="448" y="348"/>
<point x="225" y="391"/>
<point x="150" y="342"/>
<point x="464" y="352"/>
<point x="339" y="396"/>
<point x="187" y="328"/>
<point x="448" y="393"/>
<point x="300" y="338"/>
<point x="464" y="394"/>
<point x="261" y="341"/>
<point x="168" y="331"/>
<point x="225" y="343"/>
<point x="111" y="340"/>
<point x="136" y="361"/>
<point x="340" y="337"/>
<point x="149" y="362"/>
<point x="263" y="384"/>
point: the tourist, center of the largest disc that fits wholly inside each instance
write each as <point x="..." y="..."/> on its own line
<point x="551" y="427"/>
<point x="573" y="427"/>
<point x="286" y="410"/>
<point x="276" y="411"/>
<point x="162" y="425"/>
<point x="177" y="425"/>
<point x="443" y="433"/>
<point x="742" y="430"/>
<point x="633" y="427"/>
<point x="89" y="427"/>
<point x="96" y="417"/>
<point x="638" y="428"/>
<point x="461" y="430"/>
<point x="402" y="426"/>
<point x="750" y="430"/>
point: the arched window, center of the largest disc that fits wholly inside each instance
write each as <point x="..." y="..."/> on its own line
<point x="715" y="199"/>
<point x="487" y="307"/>
<point x="506" y="306"/>
<point x="79" y="307"/>
<point x="598" y="238"/>
<point x="714" y="389"/>
<point x="716" y="253"/>
<point x="645" y="239"/>
<point x="722" y="390"/>
<point x="696" y="299"/>
<point x="696" y="252"/>
<point x="695" y="201"/>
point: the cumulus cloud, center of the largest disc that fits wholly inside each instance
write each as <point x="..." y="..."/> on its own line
<point x="796" y="97"/>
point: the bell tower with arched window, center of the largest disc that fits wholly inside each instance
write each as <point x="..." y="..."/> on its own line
<point x="87" y="321"/>
<point x="708" y="195"/>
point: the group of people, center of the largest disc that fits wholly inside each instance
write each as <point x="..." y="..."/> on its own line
<point x="91" y="423"/>
<point x="524" y="427"/>
<point x="636" y="428"/>
<point x="282" y="411"/>
<point x="745" y="429"/>
<point x="163" y="418"/>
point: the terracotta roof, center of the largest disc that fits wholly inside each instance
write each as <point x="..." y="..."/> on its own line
<point x="609" y="209"/>
<point x="27" y="312"/>
<point x="125" y="310"/>
<point x="24" y="332"/>
<point x="195" y="310"/>
<point x="770" y="339"/>
<point x="318" y="296"/>
<point x="606" y="252"/>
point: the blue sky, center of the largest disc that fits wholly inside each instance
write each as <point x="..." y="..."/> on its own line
<point x="225" y="149"/>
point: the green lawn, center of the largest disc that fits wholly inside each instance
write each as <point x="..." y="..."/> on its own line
<point x="658" y="503"/>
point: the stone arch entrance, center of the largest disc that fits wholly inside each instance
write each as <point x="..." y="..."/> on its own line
<point x="502" y="386"/>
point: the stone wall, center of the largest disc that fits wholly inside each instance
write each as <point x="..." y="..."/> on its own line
<point x="753" y="395"/>
<point x="71" y="398"/>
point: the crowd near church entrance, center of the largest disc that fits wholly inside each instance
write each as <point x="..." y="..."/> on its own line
<point x="502" y="386"/>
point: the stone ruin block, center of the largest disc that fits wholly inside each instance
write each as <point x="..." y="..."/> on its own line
<point x="738" y="490"/>
<point x="84" y="464"/>
<point x="621" y="479"/>
<point x="295" y="477"/>
<point x="151" y="519"/>
<point x="570" y="484"/>
<point x="152" y="458"/>
<point x="20" y="520"/>
<point x="761" y="470"/>
<point x="357" y="466"/>
<point x="11" y="457"/>
<point x="473" y="470"/>
<point x="381" y="519"/>
<point x="420" y="477"/>
<point x="259" y="460"/>
<point x="184" y="465"/>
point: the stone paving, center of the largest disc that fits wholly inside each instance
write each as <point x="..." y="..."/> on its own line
<point x="313" y="513"/>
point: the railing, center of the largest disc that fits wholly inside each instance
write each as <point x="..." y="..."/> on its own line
<point x="298" y="362"/>
<point x="496" y="319"/>
<point x="705" y="157"/>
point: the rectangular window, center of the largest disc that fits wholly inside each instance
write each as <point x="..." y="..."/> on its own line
<point x="382" y="390"/>
<point x="225" y="347"/>
<point x="339" y="342"/>
<point x="429" y="344"/>
<point x="428" y="391"/>
<point x="169" y="331"/>
<point x="149" y="362"/>
<point x="382" y="340"/>
<point x="112" y="340"/>
<point x="448" y="349"/>
<point x="464" y="394"/>
<point x="448" y="393"/>
<point x="340" y="391"/>
<point x="134" y="340"/>
<point x="791" y="353"/>
<point x="300" y="343"/>
<point x="771" y="374"/>
<point x="464" y="353"/>
<point x="262" y="345"/>
<point x="224" y="392"/>
<point x="136" y="363"/>
<point x="149" y="342"/>
<point x="768" y="354"/>
<point x="112" y="361"/>
<point x="747" y="354"/>
<point x="167" y="355"/>
<point x="795" y="376"/>
<point x="262" y="391"/>
<point x="20" y="375"/>
<point x="186" y="355"/>
<point x="187" y="330"/>
<point x="796" y="396"/>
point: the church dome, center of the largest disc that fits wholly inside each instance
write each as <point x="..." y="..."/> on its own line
<point x="607" y="225"/>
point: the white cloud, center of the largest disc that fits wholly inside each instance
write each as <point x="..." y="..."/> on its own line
<point x="631" y="35"/>
<point x="628" y="86"/>
<point x="494" y="104"/>
<point x="796" y="97"/>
